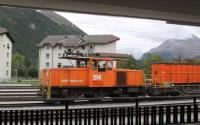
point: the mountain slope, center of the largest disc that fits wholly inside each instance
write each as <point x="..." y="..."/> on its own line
<point x="28" y="27"/>
<point x="61" y="21"/>
<point x="175" y="48"/>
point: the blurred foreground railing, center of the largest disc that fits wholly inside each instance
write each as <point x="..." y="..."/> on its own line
<point x="137" y="115"/>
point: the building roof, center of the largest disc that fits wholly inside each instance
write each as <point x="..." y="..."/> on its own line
<point x="5" y="31"/>
<point x="77" y="40"/>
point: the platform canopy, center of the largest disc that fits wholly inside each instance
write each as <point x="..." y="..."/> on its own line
<point x="173" y="11"/>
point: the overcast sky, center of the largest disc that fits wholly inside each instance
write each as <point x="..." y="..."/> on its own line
<point x="136" y="35"/>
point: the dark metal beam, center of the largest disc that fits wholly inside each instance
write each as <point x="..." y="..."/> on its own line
<point x="177" y="10"/>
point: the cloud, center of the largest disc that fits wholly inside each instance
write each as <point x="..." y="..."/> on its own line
<point x="135" y="34"/>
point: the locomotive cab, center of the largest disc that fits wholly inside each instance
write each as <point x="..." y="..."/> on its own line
<point x="98" y="70"/>
<point x="99" y="64"/>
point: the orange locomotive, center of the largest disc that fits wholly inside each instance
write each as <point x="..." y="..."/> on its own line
<point x="92" y="77"/>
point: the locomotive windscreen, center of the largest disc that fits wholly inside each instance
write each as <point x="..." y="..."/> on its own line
<point x="121" y="78"/>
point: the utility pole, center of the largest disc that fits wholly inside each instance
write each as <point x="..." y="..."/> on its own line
<point x="16" y="74"/>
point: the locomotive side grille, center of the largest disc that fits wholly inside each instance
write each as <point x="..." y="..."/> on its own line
<point x="121" y="78"/>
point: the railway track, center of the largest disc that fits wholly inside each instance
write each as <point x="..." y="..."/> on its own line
<point x="90" y="105"/>
<point x="25" y="94"/>
<point x="19" y="91"/>
<point x="20" y="95"/>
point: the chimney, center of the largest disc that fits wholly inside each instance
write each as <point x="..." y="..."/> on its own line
<point x="82" y="36"/>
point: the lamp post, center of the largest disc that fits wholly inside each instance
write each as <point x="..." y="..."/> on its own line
<point x="16" y="74"/>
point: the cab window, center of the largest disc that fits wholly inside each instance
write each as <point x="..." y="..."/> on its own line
<point x="82" y="64"/>
<point x="109" y="65"/>
<point x="102" y="66"/>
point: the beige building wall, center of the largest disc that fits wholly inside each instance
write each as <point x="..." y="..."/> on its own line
<point x="6" y="57"/>
<point x="105" y="48"/>
<point x="49" y="57"/>
<point x="57" y="53"/>
<point x="100" y="48"/>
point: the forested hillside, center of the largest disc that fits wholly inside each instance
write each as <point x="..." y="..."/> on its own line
<point x="28" y="27"/>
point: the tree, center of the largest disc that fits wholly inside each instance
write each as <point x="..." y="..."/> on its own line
<point x="32" y="71"/>
<point x="175" y="60"/>
<point x="185" y="60"/>
<point x="23" y="66"/>
<point x="18" y="64"/>
<point x="190" y="60"/>
<point x="129" y="63"/>
<point x="151" y="58"/>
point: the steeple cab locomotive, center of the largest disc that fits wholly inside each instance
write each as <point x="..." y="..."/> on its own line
<point x="91" y="77"/>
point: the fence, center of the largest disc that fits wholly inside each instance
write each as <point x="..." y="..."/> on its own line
<point x="137" y="115"/>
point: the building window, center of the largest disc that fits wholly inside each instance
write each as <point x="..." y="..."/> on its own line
<point x="8" y="46"/>
<point x="59" y="65"/>
<point x="59" y="47"/>
<point x="83" y="47"/>
<point x="59" y="55"/>
<point x="69" y="50"/>
<point x="7" y="55"/>
<point x="47" y="65"/>
<point x="7" y="64"/>
<point x="7" y="73"/>
<point x="47" y="56"/>
<point x="91" y="47"/>
<point x="48" y="47"/>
